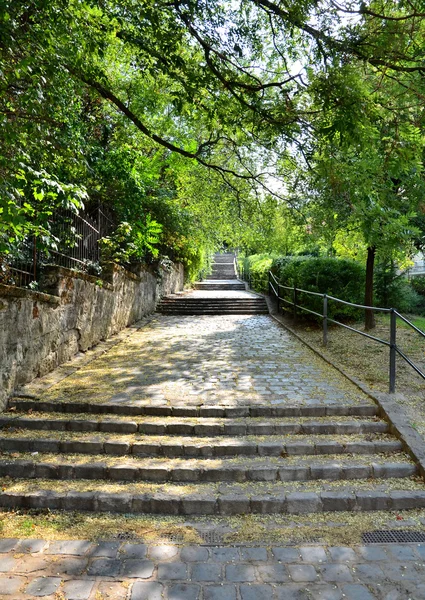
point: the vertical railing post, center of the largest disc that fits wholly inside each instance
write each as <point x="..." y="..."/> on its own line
<point x="393" y="340"/>
<point x="325" y="320"/>
<point x="270" y="283"/>
<point x="295" y="299"/>
<point x="278" y="298"/>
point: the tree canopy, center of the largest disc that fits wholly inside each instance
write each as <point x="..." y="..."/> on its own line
<point x="256" y="122"/>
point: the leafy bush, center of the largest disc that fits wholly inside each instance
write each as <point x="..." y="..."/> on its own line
<point x="340" y="278"/>
<point x="393" y="290"/>
<point x="418" y="284"/>
<point x="256" y="267"/>
<point x="132" y="243"/>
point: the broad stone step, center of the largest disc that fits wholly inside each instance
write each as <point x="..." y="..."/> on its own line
<point x="196" y="447"/>
<point x="219" y="286"/>
<point x="207" y="499"/>
<point x="224" y="259"/>
<point x="226" y="470"/>
<point x="215" y="312"/>
<point x="214" y="301"/>
<point x="204" y="410"/>
<point x="193" y="427"/>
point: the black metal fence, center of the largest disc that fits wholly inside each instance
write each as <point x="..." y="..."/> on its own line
<point x="76" y="246"/>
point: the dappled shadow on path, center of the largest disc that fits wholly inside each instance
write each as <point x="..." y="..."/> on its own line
<point x="192" y="360"/>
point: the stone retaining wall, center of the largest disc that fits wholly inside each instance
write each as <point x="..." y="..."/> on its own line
<point x="41" y="330"/>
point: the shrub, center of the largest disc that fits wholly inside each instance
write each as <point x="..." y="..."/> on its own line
<point x="340" y="278"/>
<point x="393" y="290"/>
<point x="418" y="284"/>
<point x="257" y="266"/>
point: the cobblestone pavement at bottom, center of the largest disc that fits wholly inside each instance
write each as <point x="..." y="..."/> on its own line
<point x="81" y="570"/>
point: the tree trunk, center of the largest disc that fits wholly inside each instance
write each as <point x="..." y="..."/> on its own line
<point x="369" y="322"/>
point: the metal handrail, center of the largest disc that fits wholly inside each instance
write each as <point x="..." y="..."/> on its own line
<point x="394" y="314"/>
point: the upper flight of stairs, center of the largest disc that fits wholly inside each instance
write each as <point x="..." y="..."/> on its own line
<point x="223" y="267"/>
<point x="212" y="460"/>
<point x="222" y="279"/>
<point x="223" y="275"/>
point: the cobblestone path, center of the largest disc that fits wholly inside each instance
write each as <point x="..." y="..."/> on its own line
<point x="229" y="360"/>
<point x="80" y="570"/>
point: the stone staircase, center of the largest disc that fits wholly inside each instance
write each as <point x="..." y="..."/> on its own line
<point x="215" y="295"/>
<point x="202" y="460"/>
<point x="223" y="267"/>
<point x="223" y="275"/>
<point x="181" y="304"/>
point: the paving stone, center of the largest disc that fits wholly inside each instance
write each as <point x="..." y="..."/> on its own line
<point x="10" y="585"/>
<point x="108" y="502"/>
<point x="240" y="572"/>
<point x="253" y="554"/>
<point x="401" y="552"/>
<point x="72" y="547"/>
<point x="300" y="573"/>
<point x="111" y="590"/>
<point x="8" y="563"/>
<point x="286" y="554"/>
<point x="342" y="554"/>
<point x="193" y="554"/>
<point x="31" y="546"/>
<point x="220" y="592"/>
<point x="104" y="567"/>
<point x="140" y="569"/>
<point x="78" y="589"/>
<point x="123" y="473"/>
<point x="92" y="471"/>
<point x="356" y="592"/>
<point x="373" y="500"/>
<point x="314" y="554"/>
<point x="256" y="592"/>
<point x="420" y="549"/>
<point x="147" y="590"/>
<point x="105" y="549"/>
<point x="83" y="501"/>
<point x="338" y="573"/>
<point x="32" y="564"/>
<point x="369" y="572"/>
<point x="338" y="501"/>
<point x="373" y="552"/>
<point x="199" y="505"/>
<point x="293" y="592"/>
<point x="268" y="504"/>
<point x="294" y="473"/>
<point x="163" y="552"/>
<point x="69" y="566"/>
<point x="8" y="544"/>
<point x="165" y="504"/>
<point x="273" y="573"/>
<point x="207" y="572"/>
<point x="184" y="591"/>
<point x="43" y="586"/>
<point x="224" y="554"/>
<point x="303" y="502"/>
<point x="172" y="570"/>
<point x="400" y="572"/>
<point x="326" y="592"/>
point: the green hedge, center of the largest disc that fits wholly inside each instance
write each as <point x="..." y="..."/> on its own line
<point x="341" y="278"/>
<point x="418" y="284"/>
<point x="256" y="267"/>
